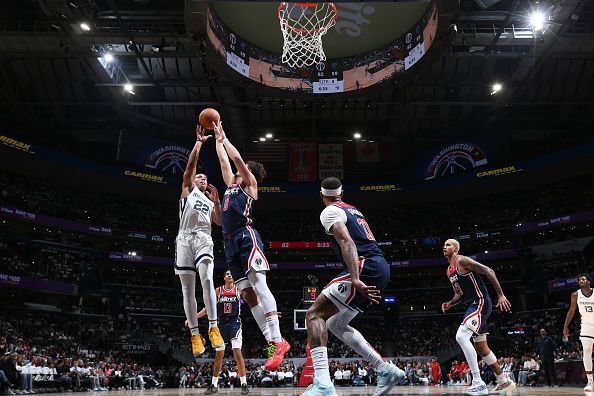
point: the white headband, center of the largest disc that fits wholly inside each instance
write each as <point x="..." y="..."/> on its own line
<point x="332" y="193"/>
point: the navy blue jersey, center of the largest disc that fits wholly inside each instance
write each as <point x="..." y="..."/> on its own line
<point x="470" y="286"/>
<point x="237" y="209"/>
<point x="359" y="231"/>
<point x="228" y="305"/>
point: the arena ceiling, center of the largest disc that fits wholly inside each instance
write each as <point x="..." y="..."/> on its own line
<point x="52" y="77"/>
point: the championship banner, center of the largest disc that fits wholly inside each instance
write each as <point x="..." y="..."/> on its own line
<point x="331" y="161"/>
<point x="302" y="162"/>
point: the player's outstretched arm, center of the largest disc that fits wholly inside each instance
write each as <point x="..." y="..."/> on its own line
<point x="351" y="258"/>
<point x="190" y="171"/>
<point x="226" y="170"/>
<point x="570" y="313"/>
<point x="471" y="265"/>
<point x="246" y="175"/>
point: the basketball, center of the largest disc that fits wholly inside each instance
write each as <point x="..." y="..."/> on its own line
<point x="207" y="117"/>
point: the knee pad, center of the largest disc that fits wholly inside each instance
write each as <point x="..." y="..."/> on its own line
<point x="221" y="348"/>
<point x="490" y="358"/>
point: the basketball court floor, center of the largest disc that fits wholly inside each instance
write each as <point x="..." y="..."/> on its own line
<point x="359" y="391"/>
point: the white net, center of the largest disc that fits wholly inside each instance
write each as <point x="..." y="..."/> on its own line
<point x="303" y="25"/>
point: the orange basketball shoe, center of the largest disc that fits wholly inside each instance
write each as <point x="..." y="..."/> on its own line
<point x="280" y="349"/>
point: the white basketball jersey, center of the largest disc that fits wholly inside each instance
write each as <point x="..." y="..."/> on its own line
<point x="195" y="212"/>
<point x="586" y="306"/>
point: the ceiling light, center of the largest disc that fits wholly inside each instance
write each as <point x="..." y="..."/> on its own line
<point x="269" y="136"/>
<point x="108" y="57"/>
<point x="537" y="20"/>
<point x="496" y="88"/>
<point x="85" y="26"/>
<point x="129" y="88"/>
<point x="262" y="139"/>
<point x="357" y="135"/>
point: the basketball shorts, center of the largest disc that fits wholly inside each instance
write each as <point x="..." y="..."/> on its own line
<point x="244" y="252"/>
<point x="190" y="250"/>
<point x="373" y="271"/>
<point x="232" y="333"/>
<point x="587" y="330"/>
<point x="476" y="316"/>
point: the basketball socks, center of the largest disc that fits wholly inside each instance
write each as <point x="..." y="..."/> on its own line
<point x="260" y="318"/>
<point x="338" y="325"/>
<point x="354" y="339"/>
<point x="194" y="330"/>
<point x="274" y="326"/>
<point x="463" y="337"/>
<point x="188" y="283"/>
<point x="589" y="378"/>
<point x="215" y="381"/>
<point x="319" y="356"/>
<point x="243" y="380"/>
<point x="587" y="353"/>
<point x="205" y="269"/>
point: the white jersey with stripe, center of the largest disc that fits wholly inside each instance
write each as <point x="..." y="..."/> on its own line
<point x="195" y="213"/>
<point x="586" y="307"/>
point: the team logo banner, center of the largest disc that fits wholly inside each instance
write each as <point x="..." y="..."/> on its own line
<point x="165" y="156"/>
<point x="170" y="159"/>
<point x="454" y="159"/>
<point x="302" y="162"/>
<point x="331" y="161"/>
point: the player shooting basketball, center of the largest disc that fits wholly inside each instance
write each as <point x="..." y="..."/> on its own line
<point x="243" y="247"/>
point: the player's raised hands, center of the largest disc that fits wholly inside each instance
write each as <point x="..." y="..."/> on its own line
<point x="369" y="292"/>
<point x="200" y="135"/>
<point x="219" y="132"/>
<point x="212" y="193"/>
<point x="503" y="304"/>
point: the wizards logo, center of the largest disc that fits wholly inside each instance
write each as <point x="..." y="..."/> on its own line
<point x="455" y="158"/>
<point x="169" y="159"/>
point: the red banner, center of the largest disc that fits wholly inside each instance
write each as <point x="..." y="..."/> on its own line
<point x="303" y="162"/>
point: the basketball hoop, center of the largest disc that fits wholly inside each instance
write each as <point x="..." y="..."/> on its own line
<point x="303" y="25"/>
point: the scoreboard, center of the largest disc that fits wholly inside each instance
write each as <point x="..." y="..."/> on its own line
<point x="310" y="293"/>
<point x="328" y="77"/>
<point x="238" y="57"/>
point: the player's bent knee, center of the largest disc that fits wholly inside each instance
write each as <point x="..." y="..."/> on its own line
<point x="463" y="334"/>
<point x="220" y="349"/>
<point x="243" y="285"/>
<point x="236" y="345"/>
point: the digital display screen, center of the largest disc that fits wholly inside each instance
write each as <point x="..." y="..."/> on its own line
<point x="310" y="294"/>
<point x="332" y="75"/>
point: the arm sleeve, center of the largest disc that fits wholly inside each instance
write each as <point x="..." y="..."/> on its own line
<point x="331" y="215"/>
